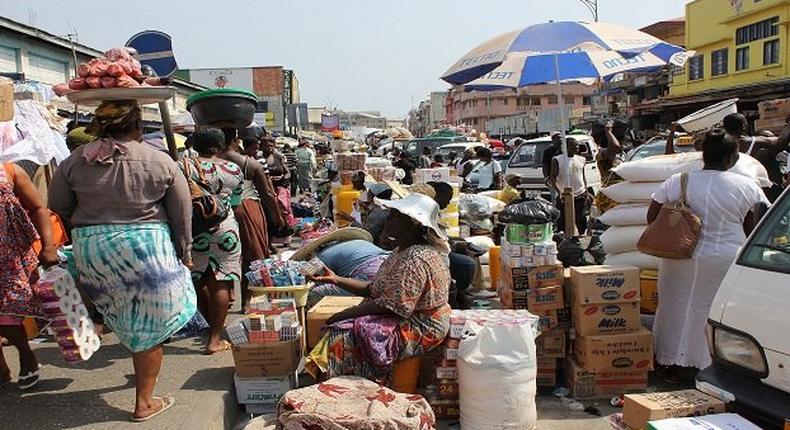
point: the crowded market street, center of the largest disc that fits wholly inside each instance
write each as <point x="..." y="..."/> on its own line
<point x="579" y="220"/>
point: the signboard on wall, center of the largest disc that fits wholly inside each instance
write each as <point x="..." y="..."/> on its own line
<point x="223" y="78"/>
<point x="330" y="122"/>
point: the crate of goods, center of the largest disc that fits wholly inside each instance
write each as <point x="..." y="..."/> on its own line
<point x="267" y="359"/>
<point x="615" y="352"/>
<point x="547" y="372"/>
<point x="263" y="390"/>
<point x="320" y="313"/>
<point x="639" y="409"/>
<point x="350" y="162"/>
<point x="586" y="384"/>
<point x="648" y="285"/>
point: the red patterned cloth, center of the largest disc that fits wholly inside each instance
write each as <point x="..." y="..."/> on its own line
<point x="17" y="258"/>
<point x="352" y="403"/>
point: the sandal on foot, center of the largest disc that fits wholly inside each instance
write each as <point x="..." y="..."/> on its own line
<point x="30" y="380"/>
<point x="167" y="403"/>
<point x="226" y="346"/>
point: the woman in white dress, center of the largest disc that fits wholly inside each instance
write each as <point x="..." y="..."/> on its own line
<point x="724" y="201"/>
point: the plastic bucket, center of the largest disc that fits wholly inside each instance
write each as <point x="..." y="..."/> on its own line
<point x="406" y="375"/>
<point x="707" y="118"/>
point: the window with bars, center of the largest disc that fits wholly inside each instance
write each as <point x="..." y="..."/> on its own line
<point x="569" y="100"/>
<point x="771" y="52"/>
<point x="696" y="68"/>
<point x="757" y="31"/>
<point x="553" y="100"/>
<point x="742" y="58"/>
<point x="718" y="62"/>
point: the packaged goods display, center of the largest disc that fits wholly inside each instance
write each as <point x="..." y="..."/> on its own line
<point x="350" y="162"/>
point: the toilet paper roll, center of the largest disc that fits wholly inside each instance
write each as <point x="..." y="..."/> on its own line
<point x="95" y="342"/>
<point x="82" y="311"/>
<point x="60" y="288"/>
<point x="66" y="306"/>
<point x="85" y="352"/>
<point x="73" y="295"/>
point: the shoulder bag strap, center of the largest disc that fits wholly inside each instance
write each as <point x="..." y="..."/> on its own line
<point x="684" y="183"/>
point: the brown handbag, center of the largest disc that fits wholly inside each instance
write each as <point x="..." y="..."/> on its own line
<point x="674" y="234"/>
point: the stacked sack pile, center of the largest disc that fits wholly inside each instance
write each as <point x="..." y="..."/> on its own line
<point x="612" y="352"/>
<point x="69" y="318"/>
<point x="486" y="370"/>
<point x="643" y="178"/>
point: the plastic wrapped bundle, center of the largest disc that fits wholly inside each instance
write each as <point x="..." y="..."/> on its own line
<point x="532" y="211"/>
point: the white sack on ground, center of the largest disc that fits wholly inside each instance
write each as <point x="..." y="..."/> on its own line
<point x="659" y="168"/>
<point x="617" y="240"/>
<point x="497" y="370"/>
<point x="636" y="259"/>
<point x="625" y="215"/>
<point x="631" y="192"/>
<point x="484" y="242"/>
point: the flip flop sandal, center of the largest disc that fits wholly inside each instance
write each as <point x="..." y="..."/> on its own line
<point x="226" y="346"/>
<point x="167" y="403"/>
<point x="30" y="380"/>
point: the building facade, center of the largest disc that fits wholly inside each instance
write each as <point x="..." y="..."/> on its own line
<point x="47" y="58"/>
<point x="739" y="44"/>
<point x="275" y="87"/>
<point x="476" y="108"/>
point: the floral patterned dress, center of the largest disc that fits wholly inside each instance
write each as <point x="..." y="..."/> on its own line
<point x="220" y="251"/>
<point x="17" y="258"/>
<point x="414" y="285"/>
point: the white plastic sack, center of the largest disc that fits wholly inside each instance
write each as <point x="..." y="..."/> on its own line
<point x="635" y="258"/>
<point x="617" y="240"/>
<point x="660" y="167"/>
<point x="632" y="192"/>
<point x="497" y="369"/>
<point x="625" y="215"/>
<point x="484" y="242"/>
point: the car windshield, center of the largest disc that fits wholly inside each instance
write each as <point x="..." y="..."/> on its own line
<point x="657" y="148"/>
<point x="446" y="151"/>
<point x="529" y="154"/>
<point x="769" y="247"/>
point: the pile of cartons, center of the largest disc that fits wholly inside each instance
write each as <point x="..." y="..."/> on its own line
<point x="612" y="352"/>
<point x="531" y="279"/>
<point x="773" y="115"/>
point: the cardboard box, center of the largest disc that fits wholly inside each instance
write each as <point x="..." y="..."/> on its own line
<point x="326" y="308"/>
<point x="604" y="284"/>
<point x="649" y="289"/>
<point x="627" y="351"/>
<point x="6" y="99"/>
<point x="514" y="299"/>
<point x="546" y="276"/>
<point x="551" y="344"/>
<point x="777" y="108"/>
<point x="547" y="372"/>
<point x="638" y="409"/>
<point x="595" y="385"/>
<point x="708" y="422"/>
<point x="441" y="174"/>
<point x="545" y="299"/>
<point x="267" y="359"/>
<point x="447" y="389"/>
<point x="446" y="409"/>
<point x="548" y="320"/>
<point x="263" y="390"/>
<point x="610" y="318"/>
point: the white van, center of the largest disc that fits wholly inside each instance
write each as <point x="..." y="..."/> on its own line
<point x="749" y="325"/>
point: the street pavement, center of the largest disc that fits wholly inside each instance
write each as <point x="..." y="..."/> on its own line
<point x="99" y="394"/>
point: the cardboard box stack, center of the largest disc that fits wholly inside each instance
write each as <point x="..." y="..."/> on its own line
<point x="266" y="353"/>
<point x="531" y="279"/>
<point x="350" y="162"/>
<point x="612" y="352"/>
<point x="442" y="390"/>
<point x="773" y="115"/>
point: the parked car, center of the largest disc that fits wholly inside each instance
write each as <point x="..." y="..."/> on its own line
<point x="527" y="162"/>
<point x="657" y="146"/>
<point x="415" y="147"/>
<point x="748" y="321"/>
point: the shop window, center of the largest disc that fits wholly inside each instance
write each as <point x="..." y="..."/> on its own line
<point x="771" y="52"/>
<point x="696" y="68"/>
<point x="759" y="30"/>
<point x="552" y="100"/>
<point x="718" y="62"/>
<point x="742" y="58"/>
<point x="569" y="100"/>
<point x="535" y="101"/>
<point x="586" y="101"/>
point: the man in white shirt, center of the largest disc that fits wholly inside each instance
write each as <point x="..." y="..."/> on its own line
<point x="490" y="172"/>
<point x="567" y="171"/>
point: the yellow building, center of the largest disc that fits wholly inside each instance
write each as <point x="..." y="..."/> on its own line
<point x="741" y="45"/>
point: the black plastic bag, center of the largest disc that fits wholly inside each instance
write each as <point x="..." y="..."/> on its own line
<point x="572" y="253"/>
<point x="530" y="211"/>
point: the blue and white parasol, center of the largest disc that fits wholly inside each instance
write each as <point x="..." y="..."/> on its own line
<point x="561" y="51"/>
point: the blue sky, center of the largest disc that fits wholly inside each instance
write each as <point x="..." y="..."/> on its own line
<point x="353" y="54"/>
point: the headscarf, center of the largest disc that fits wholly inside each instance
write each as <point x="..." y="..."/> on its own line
<point x="109" y="115"/>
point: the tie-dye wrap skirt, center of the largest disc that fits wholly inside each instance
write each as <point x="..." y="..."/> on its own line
<point x="132" y="275"/>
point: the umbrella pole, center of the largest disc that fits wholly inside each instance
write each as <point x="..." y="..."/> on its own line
<point x="567" y="193"/>
<point x="167" y="125"/>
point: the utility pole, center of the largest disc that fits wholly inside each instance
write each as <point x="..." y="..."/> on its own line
<point x="592" y="5"/>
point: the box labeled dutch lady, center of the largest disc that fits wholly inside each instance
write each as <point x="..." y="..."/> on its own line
<point x="611" y="318"/>
<point x="628" y="351"/>
<point x="604" y="284"/>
